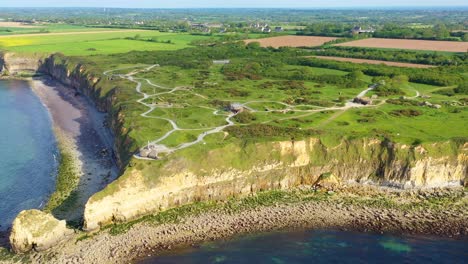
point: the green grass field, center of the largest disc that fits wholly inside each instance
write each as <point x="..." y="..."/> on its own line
<point x="193" y="108"/>
<point x="96" y="43"/>
<point x="48" y="28"/>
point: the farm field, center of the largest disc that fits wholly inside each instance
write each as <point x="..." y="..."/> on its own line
<point x="291" y="41"/>
<point x="96" y="42"/>
<point x="388" y="63"/>
<point x="450" y="46"/>
<point x="16" y="24"/>
<point x="71" y="33"/>
<point x="16" y="28"/>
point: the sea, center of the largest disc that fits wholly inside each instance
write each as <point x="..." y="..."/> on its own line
<point x="321" y="246"/>
<point x="28" y="151"/>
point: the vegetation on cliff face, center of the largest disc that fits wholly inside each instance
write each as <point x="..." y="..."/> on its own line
<point x="66" y="183"/>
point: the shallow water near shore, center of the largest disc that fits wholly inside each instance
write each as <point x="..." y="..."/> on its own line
<point x="28" y="151"/>
<point x="320" y="246"/>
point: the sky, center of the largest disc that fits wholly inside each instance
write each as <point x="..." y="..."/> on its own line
<point x="228" y="3"/>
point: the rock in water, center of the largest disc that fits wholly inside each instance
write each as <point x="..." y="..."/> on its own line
<point x="34" y="229"/>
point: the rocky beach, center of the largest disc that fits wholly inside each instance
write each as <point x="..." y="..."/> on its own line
<point x="81" y="133"/>
<point x="440" y="212"/>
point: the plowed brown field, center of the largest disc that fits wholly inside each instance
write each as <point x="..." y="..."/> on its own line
<point x="291" y="41"/>
<point x="389" y="63"/>
<point x="413" y="44"/>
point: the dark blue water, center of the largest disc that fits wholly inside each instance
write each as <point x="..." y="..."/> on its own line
<point x="27" y="149"/>
<point x="323" y="247"/>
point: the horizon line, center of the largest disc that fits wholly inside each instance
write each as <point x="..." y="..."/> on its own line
<point x="245" y="7"/>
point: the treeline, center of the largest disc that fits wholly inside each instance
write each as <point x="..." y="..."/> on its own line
<point x="253" y="62"/>
<point x="434" y="76"/>
<point x="202" y="57"/>
<point x="327" y="29"/>
<point x="275" y="68"/>
<point x="433" y="58"/>
<point x="438" y="32"/>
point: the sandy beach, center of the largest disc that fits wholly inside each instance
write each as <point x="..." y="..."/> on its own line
<point x="80" y="132"/>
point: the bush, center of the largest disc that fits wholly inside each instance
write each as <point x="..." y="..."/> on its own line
<point x="245" y="117"/>
<point x="263" y="130"/>
<point x="402" y="101"/>
<point x="462" y="89"/>
<point x="406" y="112"/>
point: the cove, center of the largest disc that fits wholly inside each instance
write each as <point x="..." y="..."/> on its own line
<point x="28" y="151"/>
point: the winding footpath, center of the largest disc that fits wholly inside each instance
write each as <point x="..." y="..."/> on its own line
<point x="161" y="148"/>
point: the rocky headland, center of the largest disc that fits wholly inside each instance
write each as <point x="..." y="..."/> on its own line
<point x="361" y="184"/>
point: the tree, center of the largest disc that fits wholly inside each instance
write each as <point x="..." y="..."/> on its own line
<point x="253" y="45"/>
<point x="441" y="31"/>
<point x="465" y="37"/>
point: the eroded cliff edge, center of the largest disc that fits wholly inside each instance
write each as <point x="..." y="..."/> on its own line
<point x="235" y="171"/>
<point x="242" y="169"/>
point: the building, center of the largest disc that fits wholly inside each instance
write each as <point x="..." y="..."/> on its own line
<point x="359" y="30"/>
<point x="236" y="107"/>
<point x="221" y="61"/>
<point x="279" y="29"/>
<point x="266" y="30"/>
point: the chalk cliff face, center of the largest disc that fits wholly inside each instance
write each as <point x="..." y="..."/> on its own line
<point x="13" y="64"/>
<point x="287" y="164"/>
<point x="33" y="229"/>
<point x="93" y="86"/>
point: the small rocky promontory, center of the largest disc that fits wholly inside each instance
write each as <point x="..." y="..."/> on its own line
<point x="36" y="230"/>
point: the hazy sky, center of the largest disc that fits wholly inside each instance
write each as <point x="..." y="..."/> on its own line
<point x="226" y="3"/>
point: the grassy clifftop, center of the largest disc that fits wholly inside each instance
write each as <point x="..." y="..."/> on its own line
<point x="296" y="124"/>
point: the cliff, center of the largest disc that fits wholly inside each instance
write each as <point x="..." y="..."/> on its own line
<point x="33" y="229"/>
<point x="101" y="92"/>
<point x="17" y="64"/>
<point x="240" y="171"/>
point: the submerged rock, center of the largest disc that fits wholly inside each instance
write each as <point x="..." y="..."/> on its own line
<point x="34" y="229"/>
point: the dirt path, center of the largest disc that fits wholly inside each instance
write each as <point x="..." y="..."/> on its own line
<point x="72" y="33"/>
<point x="155" y="145"/>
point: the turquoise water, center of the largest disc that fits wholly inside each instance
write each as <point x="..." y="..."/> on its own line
<point x="27" y="151"/>
<point x="316" y="246"/>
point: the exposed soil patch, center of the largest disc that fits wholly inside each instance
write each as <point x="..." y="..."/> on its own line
<point x="413" y="44"/>
<point x="17" y="25"/>
<point x="291" y="41"/>
<point x="389" y="63"/>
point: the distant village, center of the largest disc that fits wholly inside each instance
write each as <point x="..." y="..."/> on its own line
<point x="221" y="28"/>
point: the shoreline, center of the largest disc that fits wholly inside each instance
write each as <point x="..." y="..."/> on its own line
<point x="439" y="212"/>
<point x="87" y="169"/>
